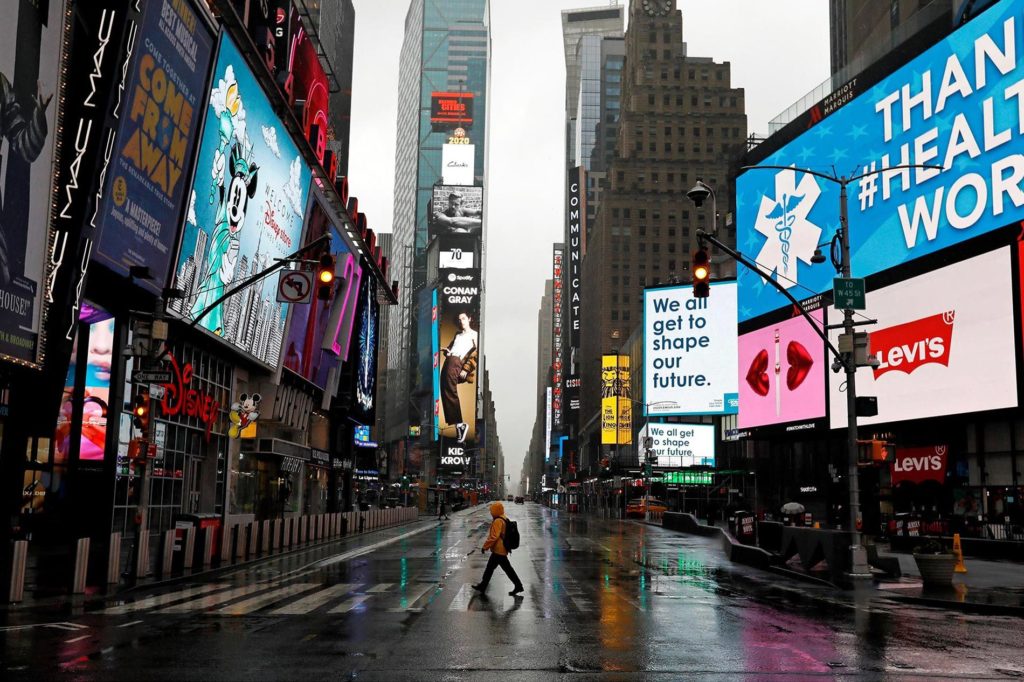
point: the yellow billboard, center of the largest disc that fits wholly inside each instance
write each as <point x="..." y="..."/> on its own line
<point x="616" y="401"/>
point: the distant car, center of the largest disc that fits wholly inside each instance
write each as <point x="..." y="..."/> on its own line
<point x="636" y="506"/>
<point x="519" y="499"/>
<point x="508" y="499"/>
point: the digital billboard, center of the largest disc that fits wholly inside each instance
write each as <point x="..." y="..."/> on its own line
<point x="616" y="401"/>
<point x="458" y="164"/>
<point x="148" y="175"/>
<point x="576" y="217"/>
<point x="451" y="110"/>
<point x="308" y="84"/>
<point x="957" y="105"/>
<point x="365" y="351"/>
<point x="680" y="445"/>
<point x="91" y="391"/>
<point x="782" y="370"/>
<point x="31" y="37"/>
<point x="247" y="206"/>
<point x="557" y="336"/>
<point x="456" y="210"/>
<point x="944" y="341"/>
<point x="457" y="252"/>
<point x="457" y="354"/>
<point x="690" y="349"/>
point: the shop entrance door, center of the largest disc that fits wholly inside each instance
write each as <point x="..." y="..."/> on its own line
<point x="192" y="476"/>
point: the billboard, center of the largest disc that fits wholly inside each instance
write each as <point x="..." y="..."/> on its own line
<point x="457" y="347"/>
<point x="956" y="105"/>
<point x="456" y="210"/>
<point x="944" y="341"/>
<point x="690" y="349"/>
<point x="451" y="110"/>
<point x="247" y="206"/>
<point x="308" y="84"/>
<point x="917" y="465"/>
<point x="557" y="337"/>
<point x="148" y="175"/>
<point x="90" y="391"/>
<point x="457" y="253"/>
<point x="616" y="401"/>
<point x="31" y="38"/>
<point x="316" y="327"/>
<point x="680" y="445"/>
<point x="782" y="370"/>
<point x="458" y="164"/>
<point x="576" y="208"/>
<point x="365" y="352"/>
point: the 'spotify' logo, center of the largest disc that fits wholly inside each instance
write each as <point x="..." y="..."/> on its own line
<point x="783" y="221"/>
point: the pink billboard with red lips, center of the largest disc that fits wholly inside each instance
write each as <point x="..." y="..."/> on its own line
<point x="782" y="373"/>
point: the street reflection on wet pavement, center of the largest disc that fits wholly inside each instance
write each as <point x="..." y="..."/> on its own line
<point x="604" y="599"/>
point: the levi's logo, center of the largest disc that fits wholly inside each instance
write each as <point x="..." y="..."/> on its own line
<point x="907" y="346"/>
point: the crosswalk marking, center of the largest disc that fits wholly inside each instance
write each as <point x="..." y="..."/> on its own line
<point x="249" y="605"/>
<point x="315" y="600"/>
<point x="407" y="601"/>
<point x="462" y="598"/>
<point x="214" y="599"/>
<point x="160" y="600"/>
<point x="350" y="604"/>
<point x="381" y="587"/>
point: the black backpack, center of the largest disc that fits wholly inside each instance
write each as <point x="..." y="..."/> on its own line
<point x="511" y="535"/>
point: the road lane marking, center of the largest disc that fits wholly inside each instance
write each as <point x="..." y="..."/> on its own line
<point x="214" y="599"/>
<point x="76" y="639"/>
<point x="249" y="605"/>
<point x="350" y="604"/>
<point x="323" y="563"/>
<point x="315" y="600"/>
<point x="462" y="598"/>
<point x="161" y="600"/>
<point x="57" y="626"/>
<point x="125" y="625"/>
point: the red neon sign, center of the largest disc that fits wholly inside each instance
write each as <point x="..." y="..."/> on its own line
<point x="180" y="399"/>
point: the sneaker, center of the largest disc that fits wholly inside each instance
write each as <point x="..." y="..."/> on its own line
<point x="516" y="591"/>
<point x="461" y="431"/>
<point x="480" y="588"/>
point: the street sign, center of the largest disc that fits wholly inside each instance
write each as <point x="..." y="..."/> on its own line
<point x="156" y="391"/>
<point x="151" y="376"/>
<point x="848" y="293"/>
<point x="295" y="286"/>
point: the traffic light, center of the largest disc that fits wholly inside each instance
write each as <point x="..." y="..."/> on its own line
<point x="701" y="274"/>
<point x="140" y="411"/>
<point x="325" y="277"/>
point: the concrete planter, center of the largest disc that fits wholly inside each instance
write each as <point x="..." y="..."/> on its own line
<point x="936" y="569"/>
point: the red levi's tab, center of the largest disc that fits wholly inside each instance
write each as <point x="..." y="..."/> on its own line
<point x="907" y="346"/>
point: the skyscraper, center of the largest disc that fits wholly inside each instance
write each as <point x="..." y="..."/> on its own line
<point x="446" y="50"/>
<point x="681" y="120"/>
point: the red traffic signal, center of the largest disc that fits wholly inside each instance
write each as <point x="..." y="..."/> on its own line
<point x="140" y="411"/>
<point x="701" y="272"/>
<point x="325" y="278"/>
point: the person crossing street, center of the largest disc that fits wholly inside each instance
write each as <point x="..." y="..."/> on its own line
<point x="499" y="553"/>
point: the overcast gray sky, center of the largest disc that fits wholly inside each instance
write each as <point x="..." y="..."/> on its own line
<point x="778" y="50"/>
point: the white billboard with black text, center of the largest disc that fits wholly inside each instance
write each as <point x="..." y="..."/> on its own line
<point x="944" y="341"/>
<point x="679" y="445"/>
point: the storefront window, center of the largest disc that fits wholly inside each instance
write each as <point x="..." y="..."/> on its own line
<point x="316" y="490"/>
<point x="262" y="488"/>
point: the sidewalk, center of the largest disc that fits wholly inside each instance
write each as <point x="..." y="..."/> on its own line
<point x="995" y="587"/>
<point x="321" y="550"/>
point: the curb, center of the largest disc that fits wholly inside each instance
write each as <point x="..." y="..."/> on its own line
<point x="965" y="607"/>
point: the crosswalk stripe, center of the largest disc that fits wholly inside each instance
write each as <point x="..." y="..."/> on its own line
<point x="249" y="605"/>
<point x="381" y="587"/>
<point x="350" y="604"/>
<point x="160" y="600"/>
<point x="412" y="595"/>
<point x="462" y="597"/>
<point x="214" y="599"/>
<point x="315" y="600"/>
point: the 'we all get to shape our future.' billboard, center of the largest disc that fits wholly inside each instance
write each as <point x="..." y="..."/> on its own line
<point x="957" y="105"/>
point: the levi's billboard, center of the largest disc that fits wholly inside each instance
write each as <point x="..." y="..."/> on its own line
<point x="918" y="465"/>
<point x="944" y="341"/>
<point x="957" y="105"/>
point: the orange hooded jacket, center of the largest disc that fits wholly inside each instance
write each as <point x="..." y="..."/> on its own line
<point x="494" y="540"/>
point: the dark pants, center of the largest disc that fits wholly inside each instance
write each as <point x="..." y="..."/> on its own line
<point x="493" y="562"/>
<point x="450" y="390"/>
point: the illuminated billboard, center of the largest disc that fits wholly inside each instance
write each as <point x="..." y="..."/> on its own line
<point x="456" y="210"/>
<point x="957" y="105"/>
<point x="365" y="352"/>
<point x="557" y="336"/>
<point x="690" y="349"/>
<point x="782" y="373"/>
<point x="248" y="202"/>
<point x="944" y="341"/>
<point x="451" y="110"/>
<point x="457" y="354"/>
<point x="458" y="164"/>
<point x="31" y="35"/>
<point x="680" y="445"/>
<point x="616" y="401"/>
<point x="147" y="180"/>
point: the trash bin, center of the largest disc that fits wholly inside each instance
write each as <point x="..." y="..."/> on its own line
<point x="741" y="525"/>
<point x="203" y="523"/>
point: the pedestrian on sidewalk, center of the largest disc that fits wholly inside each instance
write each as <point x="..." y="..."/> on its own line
<point x="442" y="509"/>
<point x="499" y="554"/>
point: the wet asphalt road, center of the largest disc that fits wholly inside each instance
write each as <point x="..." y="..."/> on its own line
<point x="604" y="600"/>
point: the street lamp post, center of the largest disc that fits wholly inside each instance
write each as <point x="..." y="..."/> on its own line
<point x="847" y="361"/>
